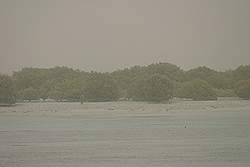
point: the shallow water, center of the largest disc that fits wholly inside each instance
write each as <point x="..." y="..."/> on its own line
<point x="183" y="133"/>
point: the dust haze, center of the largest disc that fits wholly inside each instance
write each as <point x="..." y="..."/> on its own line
<point x="113" y="34"/>
<point x="128" y="83"/>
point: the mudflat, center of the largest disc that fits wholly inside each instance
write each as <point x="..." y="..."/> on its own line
<point x="131" y="134"/>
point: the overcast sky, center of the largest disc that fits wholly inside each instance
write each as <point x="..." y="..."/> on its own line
<point x="106" y="35"/>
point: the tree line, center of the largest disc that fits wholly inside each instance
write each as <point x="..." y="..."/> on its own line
<point x="157" y="82"/>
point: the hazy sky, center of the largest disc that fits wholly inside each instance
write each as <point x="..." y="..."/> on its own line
<point x="105" y="35"/>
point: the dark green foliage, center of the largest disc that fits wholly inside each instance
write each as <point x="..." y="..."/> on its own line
<point x="28" y="94"/>
<point x="156" y="88"/>
<point x="125" y="78"/>
<point x="221" y="80"/>
<point x="66" y="84"/>
<point x="43" y="92"/>
<point x="242" y="73"/>
<point x="30" y="77"/>
<point x="59" y="83"/>
<point x="225" y="92"/>
<point x="100" y="87"/>
<point x="197" y="90"/>
<point x="7" y="92"/>
<point x="242" y="89"/>
<point x="218" y="80"/>
<point x="200" y="73"/>
<point x="171" y="71"/>
<point x="67" y="89"/>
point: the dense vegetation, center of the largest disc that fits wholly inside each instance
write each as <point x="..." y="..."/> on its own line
<point x="156" y="82"/>
<point x="196" y="89"/>
<point x="154" y="87"/>
<point x="100" y="87"/>
<point x="243" y="89"/>
<point x="7" y="93"/>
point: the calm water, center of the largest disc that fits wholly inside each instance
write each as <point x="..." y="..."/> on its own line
<point x="126" y="134"/>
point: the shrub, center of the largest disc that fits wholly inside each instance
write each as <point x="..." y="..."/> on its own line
<point x="225" y="93"/>
<point x="28" y="94"/>
<point x="242" y="89"/>
<point x="7" y="92"/>
<point x="196" y="90"/>
<point x="155" y="88"/>
<point x="100" y="87"/>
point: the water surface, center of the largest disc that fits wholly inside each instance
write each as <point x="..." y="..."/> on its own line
<point x="185" y="133"/>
